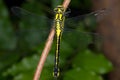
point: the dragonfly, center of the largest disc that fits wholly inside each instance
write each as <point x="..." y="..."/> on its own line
<point x="60" y="24"/>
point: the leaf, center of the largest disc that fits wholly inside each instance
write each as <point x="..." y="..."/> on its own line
<point x="80" y="74"/>
<point x="92" y="62"/>
<point x="27" y="66"/>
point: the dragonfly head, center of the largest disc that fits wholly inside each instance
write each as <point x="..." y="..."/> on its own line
<point x="59" y="9"/>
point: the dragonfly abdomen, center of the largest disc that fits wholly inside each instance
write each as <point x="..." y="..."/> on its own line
<point x="57" y="54"/>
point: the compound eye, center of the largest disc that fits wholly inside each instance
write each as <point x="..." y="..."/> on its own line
<point x="55" y="9"/>
<point x="62" y="9"/>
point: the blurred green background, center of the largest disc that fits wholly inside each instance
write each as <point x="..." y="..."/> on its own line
<point x="22" y="40"/>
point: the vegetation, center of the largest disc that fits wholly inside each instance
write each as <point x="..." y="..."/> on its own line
<point x="21" y="46"/>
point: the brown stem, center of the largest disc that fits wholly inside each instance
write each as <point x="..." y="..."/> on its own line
<point x="47" y="48"/>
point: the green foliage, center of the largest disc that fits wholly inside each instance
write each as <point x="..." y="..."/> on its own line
<point x="19" y="54"/>
<point x="55" y="3"/>
<point x="25" y="69"/>
<point x="82" y="4"/>
<point x="92" y="62"/>
<point x="81" y="74"/>
<point x="7" y="39"/>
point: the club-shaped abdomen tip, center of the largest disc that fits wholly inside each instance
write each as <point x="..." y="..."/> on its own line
<point x="56" y="72"/>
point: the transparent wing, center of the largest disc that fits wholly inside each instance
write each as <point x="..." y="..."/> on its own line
<point x="33" y="29"/>
<point x="83" y="40"/>
<point x="32" y="19"/>
<point x="81" y="27"/>
<point x="87" y="20"/>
